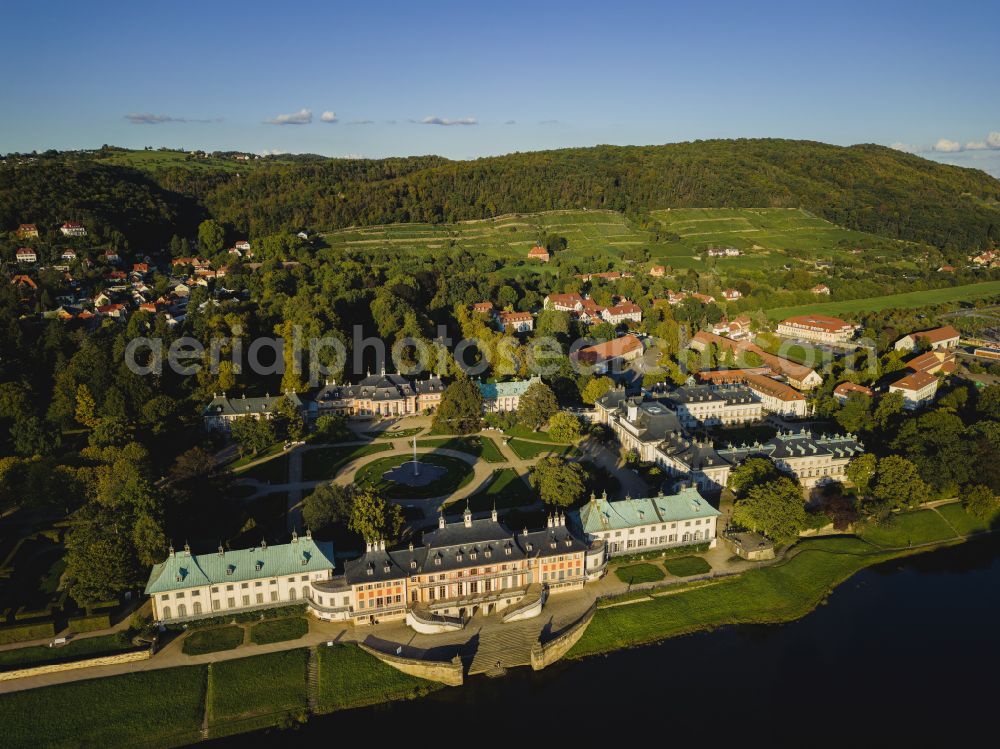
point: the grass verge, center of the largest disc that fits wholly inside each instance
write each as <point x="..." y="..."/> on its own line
<point x="326" y="462"/>
<point x="349" y="677"/>
<point x="249" y="693"/>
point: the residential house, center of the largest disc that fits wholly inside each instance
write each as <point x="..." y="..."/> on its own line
<point x="820" y="288"/>
<point x="73" y="229"/>
<point x="538" y="253"/>
<point x="945" y="337"/>
<point x="26" y="255"/>
<point x="658" y="271"/>
<point x="844" y="390"/>
<point x="731" y="295"/>
<point x="27" y="231"/>
<point x="624" y="311"/>
<point x="69" y="254"/>
<point x="723" y="252"/>
<point x="485" y="308"/>
<point x="516" y="322"/>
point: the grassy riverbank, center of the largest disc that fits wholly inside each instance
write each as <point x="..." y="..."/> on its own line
<point x="778" y="593"/>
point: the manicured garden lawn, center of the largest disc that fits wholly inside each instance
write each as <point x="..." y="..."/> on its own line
<point x="81" y="647"/>
<point x="643" y="572"/>
<point x="687" y="566"/>
<point x="262" y="685"/>
<point x="908" y="528"/>
<point x="458" y="473"/>
<point x="349" y="677"/>
<point x="201" y="641"/>
<point x="528" y="450"/>
<point x="770" y="594"/>
<point x="505" y="490"/>
<point x="522" y="431"/>
<point x="146" y="708"/>
<point x="274" y="471"/>
<point x="279" y="630"/>
<point x="395" y="434"/>
<point x="325" y="462"/>
<point x="962" y="521"/>
<point x="276" y="449"/>
<point x="481" y="447"/>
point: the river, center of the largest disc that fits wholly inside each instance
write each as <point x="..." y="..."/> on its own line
<point x="903" y="651"/>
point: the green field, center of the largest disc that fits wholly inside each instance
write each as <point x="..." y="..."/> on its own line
<point x="154" y="161"/>
<point x="505" y="490"/>
<point x="643" y="572"/>
<point x="162" y="707"/>
<point x="246" y="691"/>
<point x="279" y="630"/>
<point x="481" y="447"/>
<point x="272" y="471"/>
<point x="908" y="300"/>
<point x="687" y="566"/>
<point x="325" y="462"/>
<point x="909" y="528"/>
<point x="962" y="521"/>
<point x="527" y="450"/>
<point x="201" y="641"/>
<point x="349" y="677"/>
<point x="524" y="432"/>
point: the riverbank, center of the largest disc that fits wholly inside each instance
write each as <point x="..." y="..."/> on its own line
<point x="173" y="706"/>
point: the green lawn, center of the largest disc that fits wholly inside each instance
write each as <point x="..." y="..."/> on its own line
<point x="528" y="450"/>
<point x="201" y="641"/>
<point x="908" y="528"/>
<point x="81" y="647"/>
<point x="457" y="474"/>
<point x="276" y="449"/>
<point x="523" y="432"/>
<point x="481" y="447"/>
<point x="279" y="630"/>
<point x="349" y="677"/>
<point x="769" y="594"/>
<point x="908" y="300"/>
<point x="326" y="462"/>
<point x="395" y="434"/>
<point x="274" y="470"/>
<point x="687" y="566"/>
<point x="260" y="687"/>
<point x="962" y="521"/>
<point x="643" y="572"/>
<point x="147" y="708"/>
<point x="505" y="490"/>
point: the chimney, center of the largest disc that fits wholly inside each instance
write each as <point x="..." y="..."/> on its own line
<point x="368" y="547"/>
<point x="548" y="522"/>
<point x="171" y="550"/>
<point x="467" y="517"/>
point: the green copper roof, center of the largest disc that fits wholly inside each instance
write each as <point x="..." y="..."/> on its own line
<point x="183" y="570"/>
<point x="601" y="514"/>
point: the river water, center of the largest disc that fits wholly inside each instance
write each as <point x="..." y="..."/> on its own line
<point x="907" y="651"/>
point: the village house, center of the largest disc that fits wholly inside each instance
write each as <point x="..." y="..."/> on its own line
<point x="821" y="328"/>
<point x="917" y="388"/>
<point x="731" y="295"/>
<point x="485" y="308"/>
<point x="603" y="356"/>
<point x="723" y="252"/>
<point x="504" y="396"/>
<point x="844" y="390"/>
<point x="736" y="329"/>
<point x="381" y="395"/>
<point x="73" y="229"/>
<point x="820" y="288"/>
<point x="657" y="271"/>
<point x="69" y="254"/>
<point x="563" y="302"/>
<point x="27" y="231"/>
<point x="516" y="322"/>
<point x="538" y="253"/>
<point x="187" y="586"/>
<point x="946" y="337"/>
<point x="632" y="526"/>
<point x="243" y="246"/>
<point x="25" y="255"/>
<point x="624" y="311"/>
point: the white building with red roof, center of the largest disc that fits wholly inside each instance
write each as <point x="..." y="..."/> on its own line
<point x="538" y="253"/>
<point x="821" y="328"/>
<point x="26" y="255"/>
<point x="73" y="229"/>
<point x="937" y="338"/>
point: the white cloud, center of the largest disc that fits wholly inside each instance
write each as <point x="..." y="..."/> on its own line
<point x="273" y="152"/>
<point x="145" y="118"/>
<point x="905" y="147"/>
<point x="947" y="146"/>
<point x="445" y="121"/>
<point x="993" y="140"/>
<point x="302" y="117"/>
<point x="976" y="145"/>
<point x="328" y="117"/>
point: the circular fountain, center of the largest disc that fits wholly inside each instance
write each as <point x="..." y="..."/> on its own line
<point x="413" y="472"/>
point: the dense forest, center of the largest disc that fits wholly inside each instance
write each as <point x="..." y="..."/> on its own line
<point x="864" y="187"/>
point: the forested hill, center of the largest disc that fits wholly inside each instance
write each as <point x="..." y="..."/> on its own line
<point x="864" y="187"/>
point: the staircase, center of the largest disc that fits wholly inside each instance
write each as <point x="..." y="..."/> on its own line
<point x="507" y="645"/>
<point x="312" y="679"/>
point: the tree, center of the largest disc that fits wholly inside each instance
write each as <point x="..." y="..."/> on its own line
<point x="889" y="406"/>
<point x="461" y="408"/>
<point x="855" y="415"/>
<point x="109" y="431"/>
<point x="750" y="472"/>
<point x="86" y="409"/>
<point x="988" y="402"/>
<point x="537" y="405"/>
<point x="596" y="388"/>
<point x="861" y="471"/>
<point x="898" y="483"/>
<point x="252" y="434"/>
<point x="328" y="504"/>
<point x="373" y="518"/>
<point x="774" y="508"/>
<point x="32" y="436"/>
<point x="290" y="419"/>
<point x="211" y="237"/>
<point x="99" y="562"/>
<point x="981" y="503"/>
<point x="564" y="427"/>
<point x="559" y="482"/>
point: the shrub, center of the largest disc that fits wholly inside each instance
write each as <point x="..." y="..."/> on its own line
<point x="203" y="641"/>
<point x="89" y="622"/>
<point x="22" y="632"/>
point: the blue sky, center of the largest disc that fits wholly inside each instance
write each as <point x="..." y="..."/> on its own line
<point x="530" y="76"/>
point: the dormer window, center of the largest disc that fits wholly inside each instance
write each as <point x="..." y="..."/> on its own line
<point x="488" y="553"/>
<point x="230" y="569"/>
<point x="413" y="564"/>
<point x="473" y="556"/>
<point x="458" y="557"/>
<point x="507" y="551"/>
<point x="259" y="566"/>
<point x="370" y="571"/>
<point x="437" y="561"/>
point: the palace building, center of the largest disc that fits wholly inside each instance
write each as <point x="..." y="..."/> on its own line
<point x="381" y="395"/>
